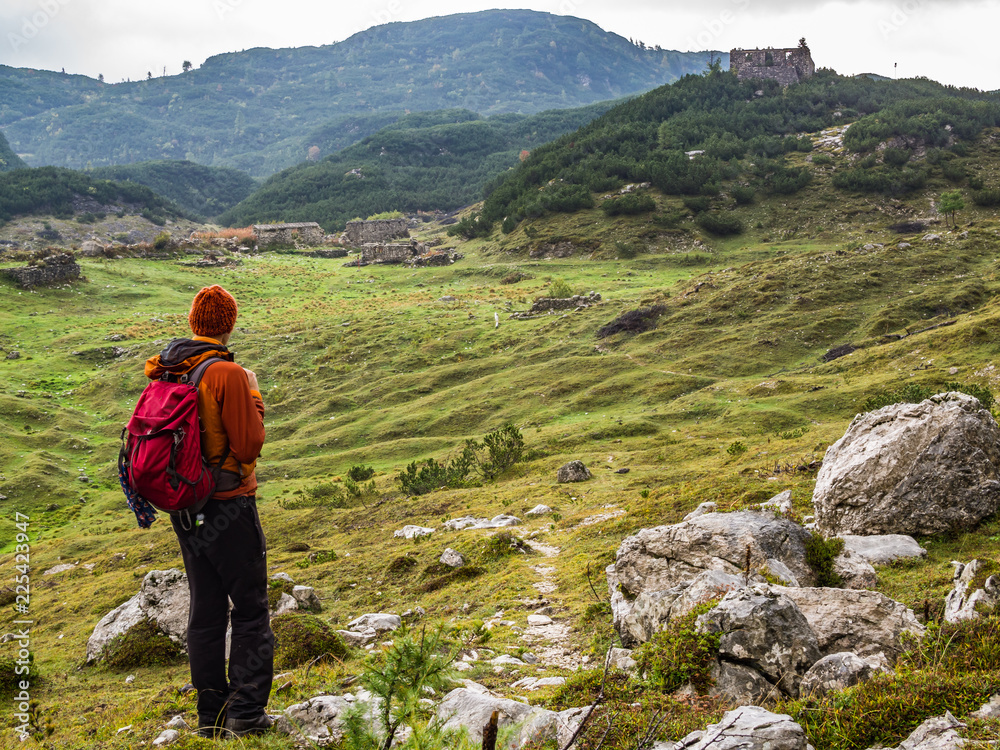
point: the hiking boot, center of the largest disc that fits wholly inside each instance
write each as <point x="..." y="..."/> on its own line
<point x="209" y="730"/>
<point x="244" y="727"/>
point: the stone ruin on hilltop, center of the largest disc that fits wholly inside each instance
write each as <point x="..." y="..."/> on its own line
<point x="786" y="66"/>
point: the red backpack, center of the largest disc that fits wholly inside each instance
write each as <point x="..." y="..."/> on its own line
<point x="161" y="445"/>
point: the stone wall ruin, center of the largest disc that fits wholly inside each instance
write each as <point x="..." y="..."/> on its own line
<point x="377" y="232"/>
<point x="290" y="235"/>
<point x="54" y="269"/>
<point x="786" y="66"/>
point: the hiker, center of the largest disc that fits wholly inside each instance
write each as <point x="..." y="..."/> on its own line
<point x="222" y="543"/>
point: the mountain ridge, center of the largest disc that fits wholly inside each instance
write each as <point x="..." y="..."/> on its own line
<point x="252" y="110"/>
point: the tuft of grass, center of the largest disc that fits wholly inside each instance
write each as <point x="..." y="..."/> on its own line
<point x="301" y="638"/>
<point x="820" y="555"/>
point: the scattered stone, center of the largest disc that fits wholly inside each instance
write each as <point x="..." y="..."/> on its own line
<point x="839" y="672"/>
<point x="974" y="588"/>
<point x="574" y="471"/>
<point x="507" y="660"/>
<point x="935" y="734"/>
<point x="779" y="503"/>
<point x="356" y="639"/>
<point x="539" y="510"/>
<point x="623" y="470"/>
<point x="167" y="737"/>
<point x="286" y="603"/>
<point x="306" y="598"/>
<point x="380" y="622"/>
<point x="539" y="620"/>
<point x="320" y="721"/>
<point x="14" y="355"/>
<point x="912" y="469"/>
<point x="468" y="522"/>
<point x="621" y="659"/>
<point x="855" y="571"/>
<point x="471" y="708"/>
<point x="701" y="510"/>
<point x="163" y="598"/>
<point x="990" y="710"/>
<point x="748" y="728"/>
<point x="61" y="568"/>
<point x="177" y="723"/>
<point x="883" y="549"/>
<point x="452" y="558"/>
<point x="409" y="532"/>
<point x="932" y="238"/>
<point x="447" y="298"/>
<point x="282" y="577"/>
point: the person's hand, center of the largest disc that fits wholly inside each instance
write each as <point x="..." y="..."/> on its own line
<point x="252" y="379"/>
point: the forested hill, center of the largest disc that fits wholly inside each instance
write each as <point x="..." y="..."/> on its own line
<point x="204" y="191"/>
<point x="8" y="159"/>
<point x="254" y="110"/>
<point x="425" y="161"/>
<point x="901" y="132"/>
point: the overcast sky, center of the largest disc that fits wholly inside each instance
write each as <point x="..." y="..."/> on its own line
<point x="952" y="41"/>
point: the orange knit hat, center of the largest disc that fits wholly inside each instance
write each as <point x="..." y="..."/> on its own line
<point x="213" y="312"/>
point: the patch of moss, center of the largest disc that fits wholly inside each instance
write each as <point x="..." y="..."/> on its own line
<point x="820" y="554"/>
<point x="143" y="645"/>
<point x="300" y="638"/>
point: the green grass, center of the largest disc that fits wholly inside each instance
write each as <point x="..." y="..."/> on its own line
<point x="369" y="367"/>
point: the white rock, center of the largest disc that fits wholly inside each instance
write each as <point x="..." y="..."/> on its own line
<point x="358" y="639"/>
<point x="286" y="603"/>
<point x="781" y="503"/>
<point x="748" y="728"/>
<point x="539" y="510"/>
<point x="167" y="737"/>
<point x="306" y="598"/>
<point x="410" y="531"/>
<point x="883" y="549"/>
<point x="966" y="598"/>
<point x="707" y="507"/>
<point x="538" y="620"/>
<point x="912" y="469"/>
<point x="163" y="598"/>
<point x="506" y="659"/>
<point x="282" y="577"/>
<point x="452" y="558"/>
<point x="61" y="568"/>
<point x="935" y="734"/>
<point x="177" y="723"/>
<point x="379" y="622"/>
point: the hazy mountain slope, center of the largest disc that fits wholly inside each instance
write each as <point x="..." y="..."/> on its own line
<point x="206" y="191"/>
<point x="254" y="110"/>
<point x="425" y="161"/>
<point x="8" y="159"/>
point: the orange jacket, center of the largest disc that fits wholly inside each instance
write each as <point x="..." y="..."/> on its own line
<point x="231" y="414"/>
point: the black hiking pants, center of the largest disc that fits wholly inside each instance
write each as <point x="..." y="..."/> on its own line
<point x="225" y="557"/>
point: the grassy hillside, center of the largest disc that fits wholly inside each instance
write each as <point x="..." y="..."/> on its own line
<point x="257" y="110"/>
<point x="63" y="192"/>
<point x="424" y="161"/>
<point x="205" y="191"/>
<point x="728" y="398"/>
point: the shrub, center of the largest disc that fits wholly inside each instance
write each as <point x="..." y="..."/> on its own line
<point x="737" y="449"/>
<point x="822" y="160"/>
<point x="503" y="544"/>
<point x="162" y="241"/>
<point x="387" y="215"/>
<point x="698" y="203"/>
<point x="143" y="645"/>
<point x="743" y="195"/>
<point x="897" y="157"/>
<point x="471" y="227"/>
<point x="629" y="205"/>
<point x="275" y="588"/>
<point x="720" y="224"/>
<point x="300" y="638"/>
<point x="820" y="554"/>
<point x="559" y="289"/>
<point x="633" y="321"/>
<point x="679" y="654"/>
<point x="360" y="473"/>
<point x="504" y="448"/>
<point x="988" y="198"/>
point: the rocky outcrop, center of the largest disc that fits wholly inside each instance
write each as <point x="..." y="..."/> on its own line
<point x="410" y="531"/>
<point x="468" y="522"/>
<point x="974" y="587"/>
<point x="319" y="721"/>
<point x="763" y="630"/>
<point x="654" y="562"/>
<point x="912" y="469"/>
<point x="866" y="623"/>
<point x="938" y="733"/>
<point x="839" y="672"/>
<point x="163" y="598"/>
<point x="747" y="728"/>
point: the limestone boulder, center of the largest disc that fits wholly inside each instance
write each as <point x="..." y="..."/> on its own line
<point x="974" y="587"/>
<point x="319" y="721"/>
<point x="380" y="622"/>
<point x="882" y="549"/>
<point x="748" y="728"/>
<point x="657" y="560"/>
<point x="574" y="471"/>
<point x="471" y="709"/>
<point x="839" y="672"/>
<point x="939" y="733"/>
<point x="452" y="558"/>
<point x="163" y="598"/>
<point x="912" y="469"/>
<point x="764" y="630"/>
<point x="866" y="623"/>
<point x="411" y="532"/>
